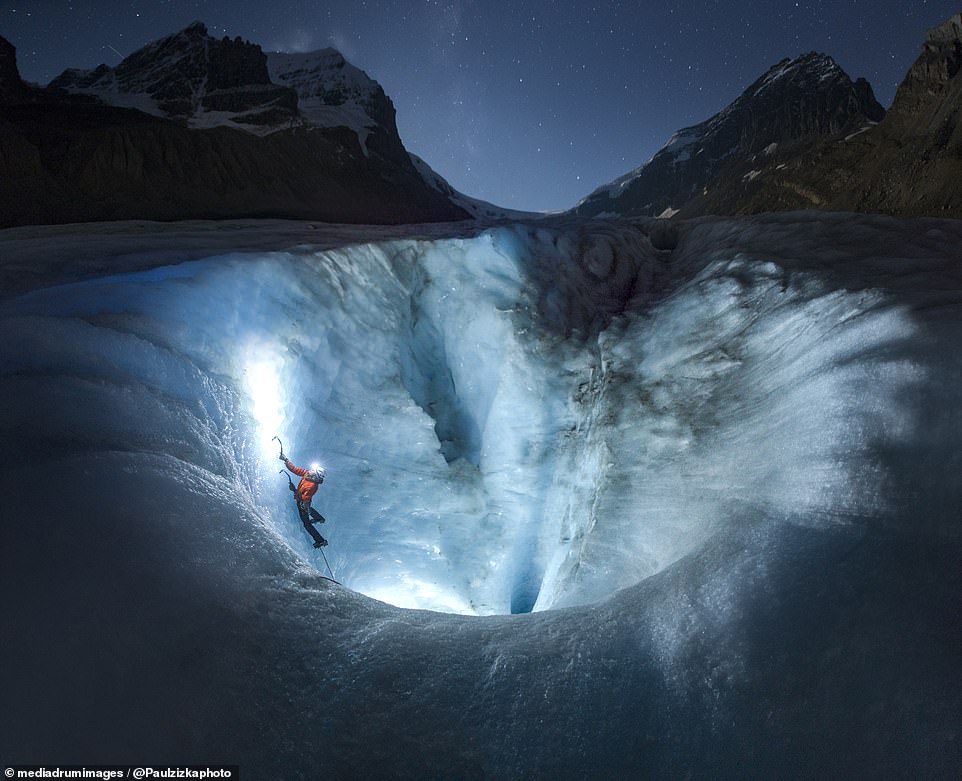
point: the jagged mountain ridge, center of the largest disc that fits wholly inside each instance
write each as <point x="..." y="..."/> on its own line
<point x="204" y="82"/>
<point x="194" y="127"/>
<point x="909" y="164"/>
<point x="815" y="147"/>
<point x="906" y="163"/>
<point x="796" y="99"/>
<point x="331" y="92"/>
<point x="193" y="78"/>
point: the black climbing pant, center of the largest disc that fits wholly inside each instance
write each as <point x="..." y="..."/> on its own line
<point x="310" y="516"/>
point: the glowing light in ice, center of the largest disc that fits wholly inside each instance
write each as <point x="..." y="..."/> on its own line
<point x="417" y="594"/>
<point x="263" y="387"/>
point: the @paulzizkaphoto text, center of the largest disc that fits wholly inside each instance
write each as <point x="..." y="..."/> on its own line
<point x="136" y="772"/>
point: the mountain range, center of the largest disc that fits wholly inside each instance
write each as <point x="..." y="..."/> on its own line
<point x="195" y="127"/>
<point x="805" y="136"/>
<point x="191" y="126"/>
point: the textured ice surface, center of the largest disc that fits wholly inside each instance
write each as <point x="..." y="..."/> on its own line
<point x="733" y="464"/>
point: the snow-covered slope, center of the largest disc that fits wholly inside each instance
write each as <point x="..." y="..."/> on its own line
<point x="742" y="453"/>
<point x="478" y="209"/>
<point x="331" y="92"/>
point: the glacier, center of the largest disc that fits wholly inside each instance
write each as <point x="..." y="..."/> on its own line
<point x="604" y="499"/>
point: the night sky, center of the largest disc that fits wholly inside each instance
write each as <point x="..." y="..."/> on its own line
<point x="530" y="104"/>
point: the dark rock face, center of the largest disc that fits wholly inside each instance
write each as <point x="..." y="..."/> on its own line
<point x="794" y="101"/>
<point x="12" y="88"/>
<point x="939" y="62"/>
<point x="79" y="163"/>
<point x="927" y="100"/>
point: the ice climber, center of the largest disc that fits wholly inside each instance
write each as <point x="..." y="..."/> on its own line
<point x="303" y="493"/>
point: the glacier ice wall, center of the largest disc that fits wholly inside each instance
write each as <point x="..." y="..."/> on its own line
<point x="417" y="371"/>
<point x="732" y="464"/>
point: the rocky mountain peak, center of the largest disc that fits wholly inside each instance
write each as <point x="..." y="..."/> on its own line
<point x="949" y="32"/>
<point x="331" y="92"/>
<point x="930" y="96"/>
<point x="193" y="78"/>
<point x="201" y="81"/>
<point x="795" y="100"/>
<point x="939" y="61"/>
<point x="909" y="163"/>
<point x="11" y="85"/>
<point x="804" y="96"/>
<point x="803" y="72"/>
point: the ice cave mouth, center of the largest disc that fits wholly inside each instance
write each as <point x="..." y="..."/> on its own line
<point x="509" y="423"/>
<point x="494" y="448"/>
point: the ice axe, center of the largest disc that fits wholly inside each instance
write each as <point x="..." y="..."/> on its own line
<point x="281" y="456"/>
<point x="290" y="483"/>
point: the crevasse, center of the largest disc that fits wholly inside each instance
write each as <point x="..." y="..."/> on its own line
<point x="494" y="443"/>
<point x="721" y="477"/>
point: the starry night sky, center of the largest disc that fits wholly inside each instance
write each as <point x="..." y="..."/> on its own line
<point x="530" y="104"/>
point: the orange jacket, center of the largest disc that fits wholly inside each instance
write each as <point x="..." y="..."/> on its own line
<point x="305" y="488"/>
